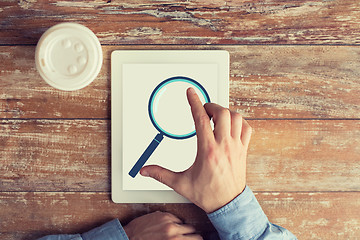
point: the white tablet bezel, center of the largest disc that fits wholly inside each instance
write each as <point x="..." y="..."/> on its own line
<point x="119" y="57"/>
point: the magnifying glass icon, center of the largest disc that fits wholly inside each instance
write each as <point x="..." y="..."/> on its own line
<point x="167" y="110"/>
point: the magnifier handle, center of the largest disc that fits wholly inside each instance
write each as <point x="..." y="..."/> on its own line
<point x="147" y="153"/>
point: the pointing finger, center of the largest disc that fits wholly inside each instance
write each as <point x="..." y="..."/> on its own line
<point x="201" y="118"/>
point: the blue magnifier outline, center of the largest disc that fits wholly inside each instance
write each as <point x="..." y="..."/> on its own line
<point x="160" y="136"/>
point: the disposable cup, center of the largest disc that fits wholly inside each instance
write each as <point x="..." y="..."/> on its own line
<point x="68" y="56"/>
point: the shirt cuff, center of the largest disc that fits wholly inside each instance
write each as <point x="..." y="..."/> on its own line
<point x="109" y="231"/>
<point x="242" y="218"/>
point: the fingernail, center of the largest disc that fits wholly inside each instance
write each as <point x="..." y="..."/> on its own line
<point x="144" y="173"/>
<point x="191" y="90"/>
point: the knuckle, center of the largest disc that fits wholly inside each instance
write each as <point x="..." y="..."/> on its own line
<point x="211" y="151"/>
<point x="224" y="112"/>
<point x="237" y="116"/>
<point x="157" y="212"/>
<point x="158" y="177"/>
<point x="169" y="228"/>
<point x="225" y="142"/>
<point x="164" y="216"/>
<point x="161" y="216"/>
<point x="168" y="216"/>
<point x="203" y="120"/>
<point x="227" y="148"/>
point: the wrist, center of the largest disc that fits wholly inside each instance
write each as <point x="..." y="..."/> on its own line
<point x="213" y="206"/>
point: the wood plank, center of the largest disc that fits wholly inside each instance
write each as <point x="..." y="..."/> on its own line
<point x="197" y="22"/>
<point x="284" y="155"/>
<point x="308" y="215"/>
<point x="55" y="213"/>
<point x="295" y="82"/>
<point x="304" y="156"/>
<point x="60" y="155"/>
<point x="24" y="94"/>
<point x="314" y="215"/>
<point x="265" y="82"/>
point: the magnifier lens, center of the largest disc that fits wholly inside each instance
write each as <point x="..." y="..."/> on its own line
<point x="171" y="110"/>
<point x="170" y="113"/>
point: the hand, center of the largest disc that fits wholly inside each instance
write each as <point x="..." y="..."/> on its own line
<point x="218" y="174"/>
<point x="160" y="226"/>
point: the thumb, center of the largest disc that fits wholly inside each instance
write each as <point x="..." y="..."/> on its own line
<point x="160" y="174"/>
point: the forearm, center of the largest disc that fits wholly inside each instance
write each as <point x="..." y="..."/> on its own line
<point x="243" y="218"/>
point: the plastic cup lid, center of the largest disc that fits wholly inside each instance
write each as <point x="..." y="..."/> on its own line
<point x="68" y="56"/>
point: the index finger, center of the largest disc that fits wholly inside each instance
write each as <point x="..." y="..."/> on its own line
<point x="201" y="118"/>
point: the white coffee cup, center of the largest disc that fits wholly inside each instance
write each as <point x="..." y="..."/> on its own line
<point x="68" y="56"/>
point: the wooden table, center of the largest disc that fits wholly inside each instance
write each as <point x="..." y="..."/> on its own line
<point x="295" y="75"/>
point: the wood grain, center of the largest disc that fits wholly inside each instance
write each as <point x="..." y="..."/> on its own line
<point x="24" y="94"/>
<point x="265" y="82"/>
<point x="60" y="155"/>
<point x="188" y="22"/>
<point x="56" y="213"/>
<point x="302" y="98"/>
<point x="314" y="215"/>
<point x="284" y="155"/>
<point x="307" y="215"/>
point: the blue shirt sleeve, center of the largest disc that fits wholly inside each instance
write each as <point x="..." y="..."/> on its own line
<point x="109" y="231"/>
<point x="243" y="218"/>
